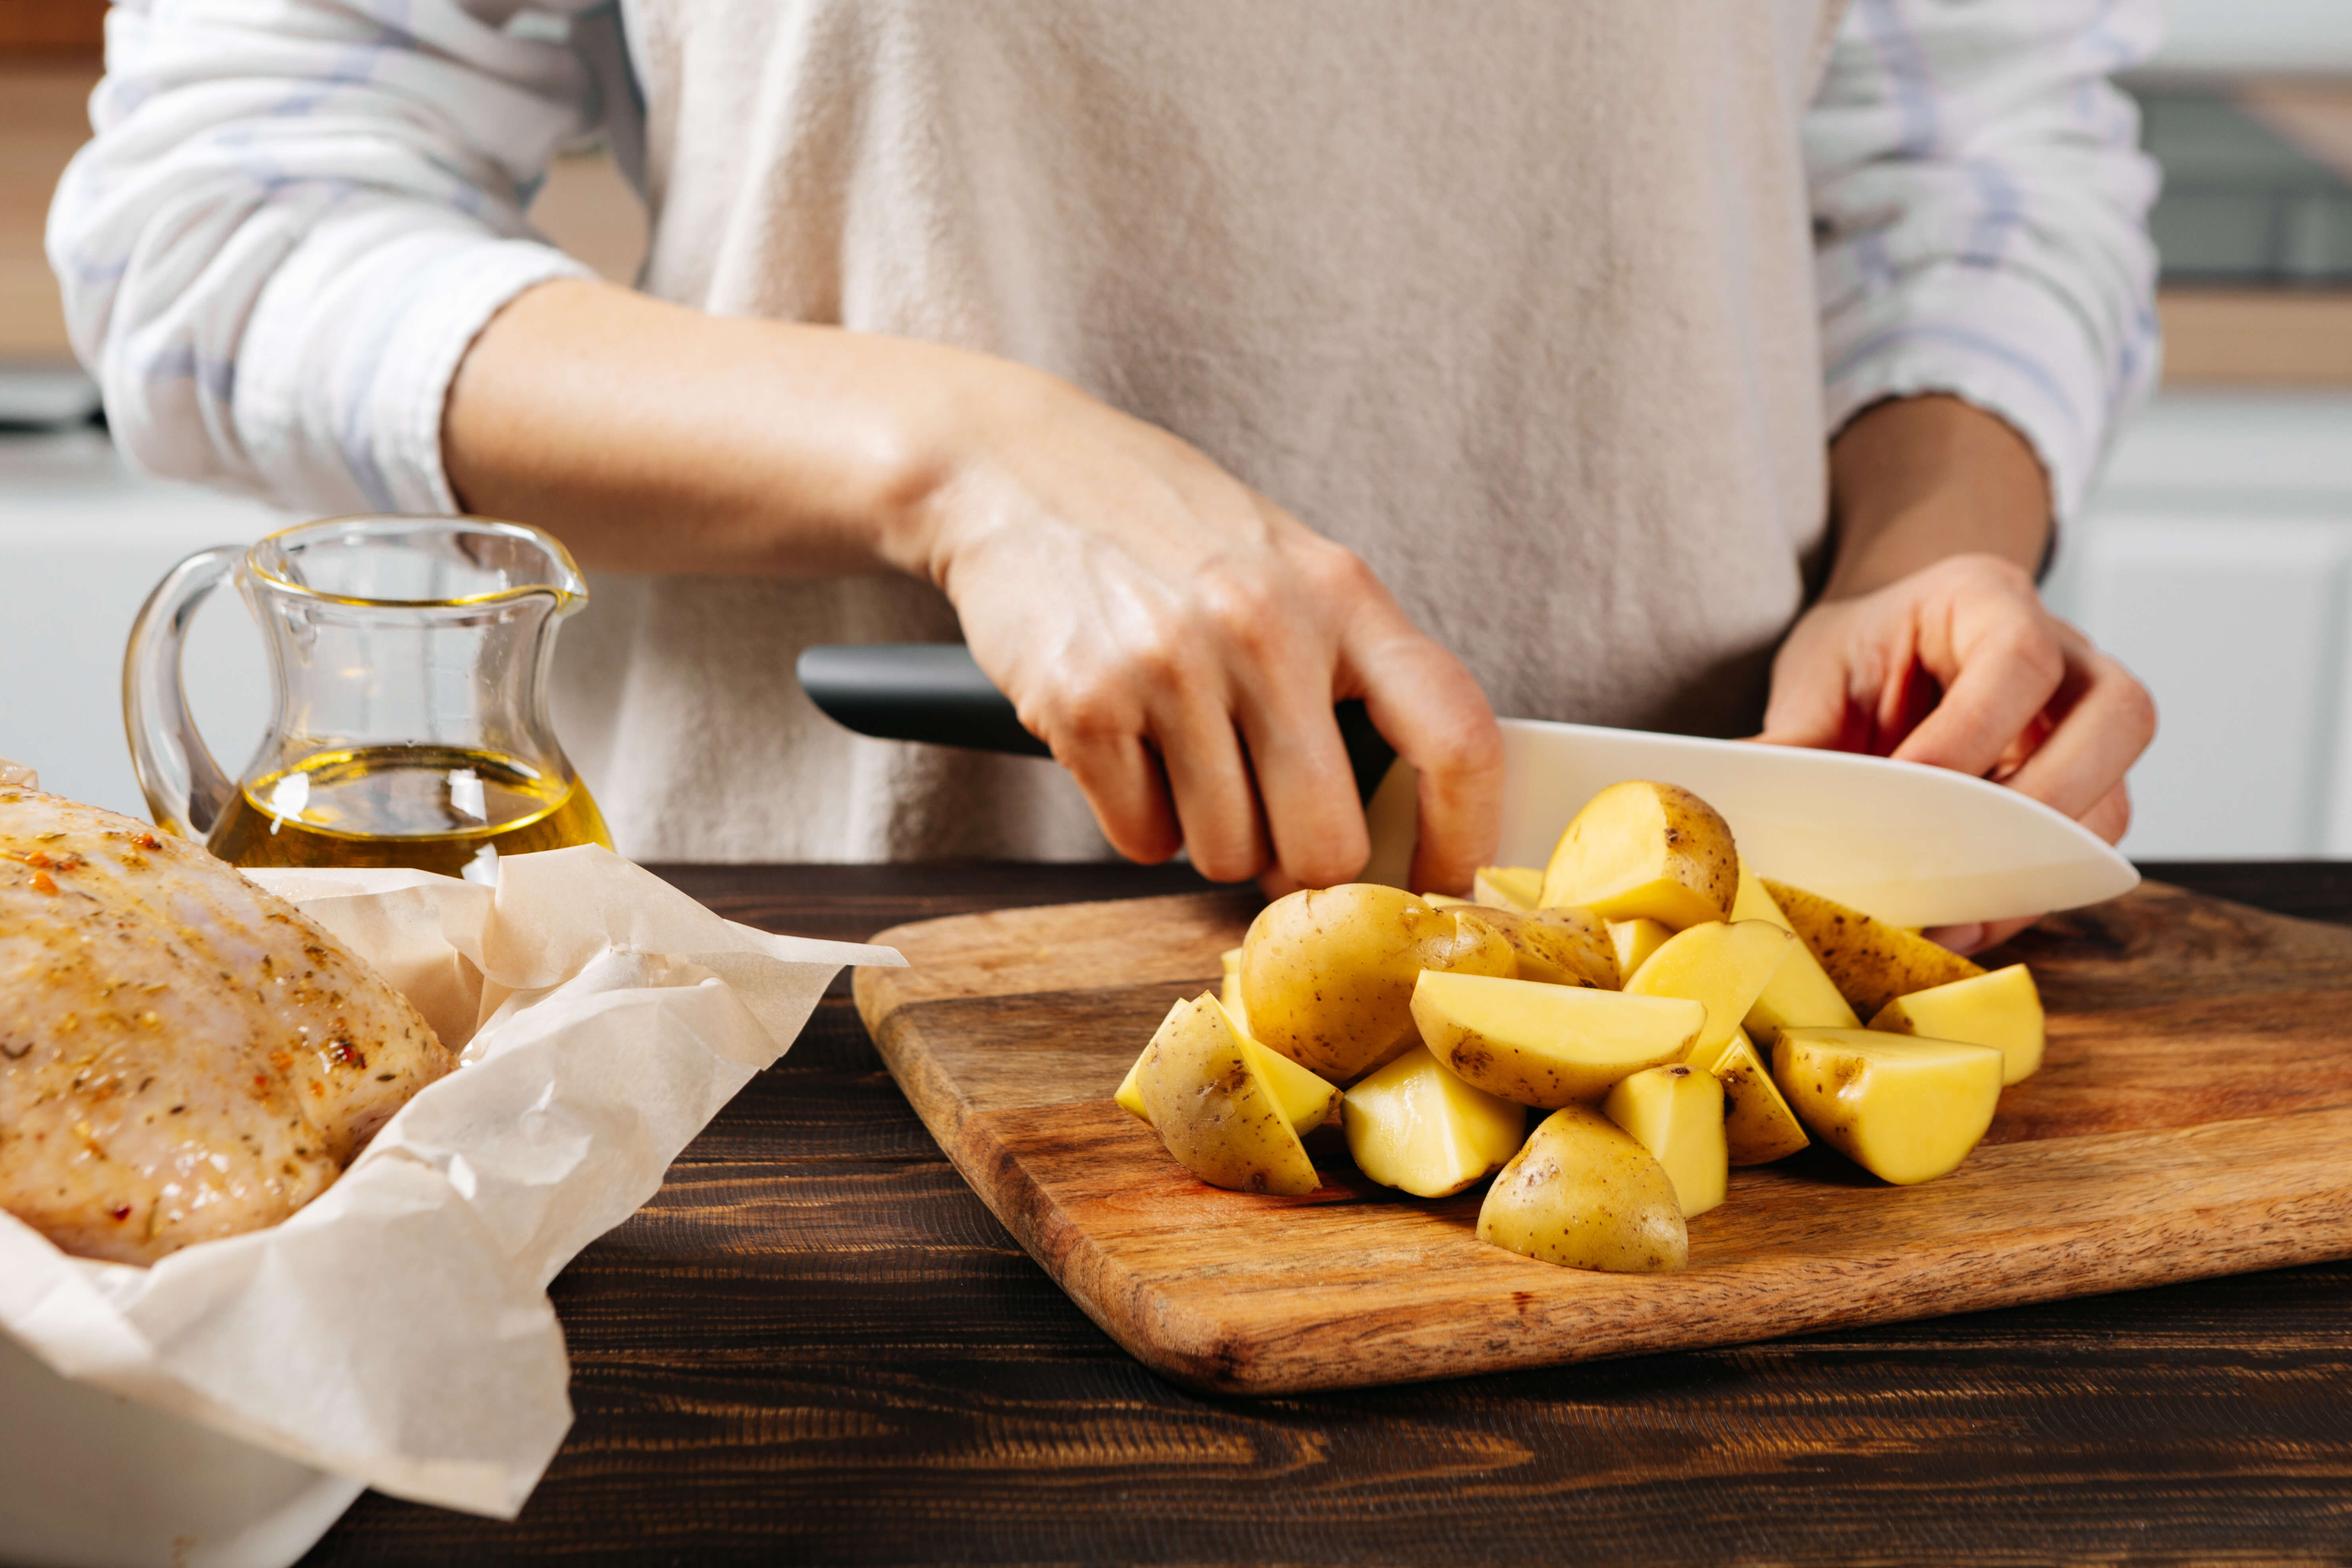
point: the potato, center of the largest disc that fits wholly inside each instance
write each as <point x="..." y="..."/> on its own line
<point x="1635" y="940"/>
<point x="1560" y="947"/>
<point x="1306" y="1101"/>
<point x="1905" y="1110"/>
<point x="1211" y="1110"/>
<point x="2001" y="1009"/>
<point x="1800" y="994"/>
<point x="1584" y="1194"/>
<point x="1416" y="1127"/>
<point x="1724" y="966"/>
<point x="1648" y="849"/>
<point x="1758" y="1125"/>
<point x="1547" y="1045"/>
<point x="1516" y="887"/>
<point x="1229" y="991"/>
<point x="1676" y="1113"/>
<point x="1327" y="975"/>
<point x="1870" y="962"/>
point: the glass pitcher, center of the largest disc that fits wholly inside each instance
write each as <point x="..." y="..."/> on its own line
<point x="408" y="660"/>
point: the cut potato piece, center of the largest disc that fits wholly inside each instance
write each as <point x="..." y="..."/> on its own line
<point x="1213" y="1110"/>
<point x="1444" y="901"/>
<point x="1758" y="1125"/>
<point x="1516" y="887"/>
<point x="1635" y="940"/>
<point x="1327" y="975"/>
<point x="1307" y="1101"/>
<point x="1558" y="947"/>
<point x="1870" y="962"/>
<point x="1724" y="966"/>
<point x="2001" y="1009"/>
<point x="1640" y="848"/>
<point x="1905" y="1110"/>
<point x="1676" y="1113"/>
<point x="1416" y="1127"/>
<point x="1547" y="1045"/>
<point x="1230" y="991"/>
<point x="1799" y="995"/>
<point x="1585" y="1195"/>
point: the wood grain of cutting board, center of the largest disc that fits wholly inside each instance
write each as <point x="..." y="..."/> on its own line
<point x="2193" y="1117"/>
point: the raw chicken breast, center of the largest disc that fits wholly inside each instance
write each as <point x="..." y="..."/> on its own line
<point x="183" y="1056"/>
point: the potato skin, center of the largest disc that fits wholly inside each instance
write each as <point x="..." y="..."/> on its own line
<point x="1565" y="946"/>
<point x="1211" y="1111"/>
<point x="1582" y="1193"/>
<point x="1870" y="962"/>
<point x="1327" y="975"/>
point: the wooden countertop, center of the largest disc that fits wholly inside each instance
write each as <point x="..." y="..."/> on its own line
<point x="816" y="1344"/>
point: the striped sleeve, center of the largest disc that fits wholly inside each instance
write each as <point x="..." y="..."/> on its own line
<point x="1979" y="213"/>
<point x="295" y="217"/>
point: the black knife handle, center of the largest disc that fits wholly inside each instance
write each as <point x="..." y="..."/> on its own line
<point x="935" y="692"/>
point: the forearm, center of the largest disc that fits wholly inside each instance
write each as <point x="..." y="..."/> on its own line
<point x="653" y="437"/>
<point x="1916" y="479"/>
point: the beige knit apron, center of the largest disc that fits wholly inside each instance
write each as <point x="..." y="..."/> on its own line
<point x="1514" y="299"/>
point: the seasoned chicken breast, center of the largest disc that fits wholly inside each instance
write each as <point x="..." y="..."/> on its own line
<point x="183" y="1056"/>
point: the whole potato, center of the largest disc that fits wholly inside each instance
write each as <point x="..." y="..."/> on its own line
<point x="1327" y="973"/>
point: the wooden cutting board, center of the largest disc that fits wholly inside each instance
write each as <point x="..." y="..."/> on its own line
<point x="2193" y="1117"/>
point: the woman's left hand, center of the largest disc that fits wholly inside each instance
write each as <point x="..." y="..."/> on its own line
<point x="1959" y="665"/>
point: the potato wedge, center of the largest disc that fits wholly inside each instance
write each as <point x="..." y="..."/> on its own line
<point x="1724" y="966"/>
<point x="1641" y="849"/>
<point x="1416" y="1127"/>
<point x="1516" y="887"/>
<point x="1558" y="947"/>
<point x="1213" y="1110"/>
<point x="1584" y="1194"/>
<point x="1307" y="1101"/>
<point x="1327" y="975"/>
<point x="1547" y="1045"/>
<point x="1676" y="1113"/>
<point x="1906" y="1110"/>
<point x="1635" y="940"/>
<point x="1870" y="962"/>
<point x="1758" y="1125"/>
<point x="1800" y="995"/>
<point x="1230" y="989"/>
<point x="2001" y="1009"/>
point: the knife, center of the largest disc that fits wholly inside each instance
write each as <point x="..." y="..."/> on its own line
<point x="1913" y="845"/>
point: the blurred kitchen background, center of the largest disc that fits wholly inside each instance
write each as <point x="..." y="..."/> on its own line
<point x="2216" y="560"/>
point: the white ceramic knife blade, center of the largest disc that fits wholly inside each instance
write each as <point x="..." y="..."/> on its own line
<point x="1915" y="846"/>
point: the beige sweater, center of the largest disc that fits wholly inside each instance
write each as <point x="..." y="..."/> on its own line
<point x="1514" y="300"/>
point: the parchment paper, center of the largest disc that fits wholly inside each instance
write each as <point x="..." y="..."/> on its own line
<point x="397" y="1330"/>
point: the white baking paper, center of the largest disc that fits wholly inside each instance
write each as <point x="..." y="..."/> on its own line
<point x="397" y="1330"/>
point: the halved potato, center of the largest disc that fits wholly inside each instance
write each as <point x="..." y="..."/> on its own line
<point x="1327" y="975"/>
<point x="1641" y="849"/>
<point x="1799" y="995"/>
<point x="1634" y="941"/>
<point x="1213" y="1110"/>
<point x="1508" y="887"/>
<point x="2003" y="1009"/>
<point x="1870" y="962"/>
<point x="1307" y="1101"/>
<point x="1676" y="1113"/>
<point x="1758" y="1125"/>
<point x="1724" y="966"/>
<point x="1905" y="1110"/>
<point x="1585" y="1195"/>
<point x="1560" y="947"/>
<point x="1416" y="1127"/>
<point x="1547" y="1045"/>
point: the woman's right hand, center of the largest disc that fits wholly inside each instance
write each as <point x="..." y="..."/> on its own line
<point x="1178" y="639"/>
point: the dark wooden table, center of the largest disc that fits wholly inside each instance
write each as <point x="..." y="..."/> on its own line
<point x="815" y="1344"/>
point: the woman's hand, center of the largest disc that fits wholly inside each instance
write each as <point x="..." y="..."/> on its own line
<point x="1956" y="662"/>
<point x="1177" y="639"/>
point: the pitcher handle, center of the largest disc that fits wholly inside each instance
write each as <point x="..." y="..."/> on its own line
<point x="186" y="789"/>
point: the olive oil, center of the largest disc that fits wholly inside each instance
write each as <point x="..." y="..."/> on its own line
<point x="436" y="808"/>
